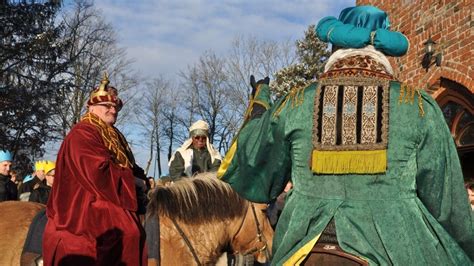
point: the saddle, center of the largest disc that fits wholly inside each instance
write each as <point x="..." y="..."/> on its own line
<point x="328" y="252"/>
<point x="33" y="248"/>
<point x="332" y="254"/>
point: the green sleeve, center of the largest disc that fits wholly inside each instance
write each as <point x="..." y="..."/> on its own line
<point x="177" y="167"/>
<point x="439" y="178"/>
<point x="261" y="140"/>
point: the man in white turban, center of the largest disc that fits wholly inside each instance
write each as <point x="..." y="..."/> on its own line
<point x="196" y="155"/>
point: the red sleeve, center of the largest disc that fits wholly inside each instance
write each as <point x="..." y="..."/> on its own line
<point x="91" y="164"/>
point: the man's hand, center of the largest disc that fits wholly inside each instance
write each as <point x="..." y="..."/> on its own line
<point x="254" y="84"/>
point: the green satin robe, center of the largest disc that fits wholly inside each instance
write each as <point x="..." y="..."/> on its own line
<point x="417" y="213"/>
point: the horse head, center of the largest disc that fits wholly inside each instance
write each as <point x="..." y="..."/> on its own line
<point x="254" y="234"/>
<point x="201" y="216"/>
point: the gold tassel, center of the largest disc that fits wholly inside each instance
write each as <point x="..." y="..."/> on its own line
<point x="349" y="162"/>
<point x="412" y="95"/>
<point x="277" y="112"/>
<point x="408" y="93"/>
<point x="402" y="93"/>
<point x="420" y="104"/>
<point x="296" y="96"/>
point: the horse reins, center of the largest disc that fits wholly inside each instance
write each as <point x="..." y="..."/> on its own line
<point x="186" y="240"/>
<point x="260" y="236"/>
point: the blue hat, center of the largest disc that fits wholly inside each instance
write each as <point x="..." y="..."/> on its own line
<point x="27" y="178"/>
<point x="360" y="26"/>
<point x="368" y="17"/>
<point x="5" y="156"/>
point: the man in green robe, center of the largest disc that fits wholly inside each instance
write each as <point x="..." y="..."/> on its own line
<point x="374" y="168"/>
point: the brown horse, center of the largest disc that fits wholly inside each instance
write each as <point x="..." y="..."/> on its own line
<point x="199" y="217"/>
<point x="16" y="217"/>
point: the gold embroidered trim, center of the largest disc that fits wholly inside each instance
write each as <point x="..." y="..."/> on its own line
<point x="296" y="96"/>
<point x="407" y="95"/>
<point x="113" y="140"/>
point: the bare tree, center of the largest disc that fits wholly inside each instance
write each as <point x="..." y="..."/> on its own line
<point x="174" y="130"/>
<point x="94" y="50"/>
<point x="151" y="118"/>
<point x="252" y="56"/>
<point x="208" y="81"/>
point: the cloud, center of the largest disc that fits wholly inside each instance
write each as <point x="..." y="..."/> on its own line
<point x="165" y="36"/>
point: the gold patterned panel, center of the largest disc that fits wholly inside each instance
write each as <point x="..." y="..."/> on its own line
<point x="369" y="115"/>
<point x="349" y="115"/>
<point x="352" y="137"/>
<point x="329" y="115"/>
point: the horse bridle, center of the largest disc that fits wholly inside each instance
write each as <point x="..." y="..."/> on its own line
<point x="260" y="237"/>
<point x="186" y="240"/>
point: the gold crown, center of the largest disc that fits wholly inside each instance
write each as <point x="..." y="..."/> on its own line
<point x="48" y="166"/>
<point x="39" y="165"/>
<point x="103" y="89"/>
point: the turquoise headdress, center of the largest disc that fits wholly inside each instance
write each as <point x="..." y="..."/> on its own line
<point x="5" y="156"/>
<point x="27" y="178"/>
<point x="360" y="26"/>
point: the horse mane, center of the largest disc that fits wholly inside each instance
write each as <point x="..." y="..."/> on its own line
<point x="200" y="199"/>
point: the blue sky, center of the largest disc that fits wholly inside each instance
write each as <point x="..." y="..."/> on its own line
<point x="165" y="36"/>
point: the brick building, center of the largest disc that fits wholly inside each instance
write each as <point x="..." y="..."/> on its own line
<point x="450" y="24"/>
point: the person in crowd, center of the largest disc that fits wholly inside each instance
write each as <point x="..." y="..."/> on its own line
<point x="30" y="181"/>
<point x="196" y="155"/>
<point x="42" y="190"/>
<point x="24" y="196"/>
<point x="152" y="182"/>
<point x="14" y="177"/>
<point x="374" y="168"/>
<point x="470" y="192"/>
<point x="92" y="209"/>
<point x="8" y="189"/>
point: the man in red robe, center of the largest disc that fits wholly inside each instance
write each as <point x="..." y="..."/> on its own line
<point x="91" y="211"/>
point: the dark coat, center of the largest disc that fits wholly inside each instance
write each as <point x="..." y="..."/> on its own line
<point x="202" y="162"/>
<point x="28" y="186"/>
<point x="40" y="193"/>
<point x="8" y="189"/>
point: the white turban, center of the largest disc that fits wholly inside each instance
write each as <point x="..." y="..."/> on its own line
<point x="200" y="127"/>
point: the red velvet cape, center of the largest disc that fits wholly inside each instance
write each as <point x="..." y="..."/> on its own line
<point x="91" y="209"/>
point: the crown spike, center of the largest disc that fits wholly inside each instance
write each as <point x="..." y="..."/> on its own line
<point x="105" y="81"/>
